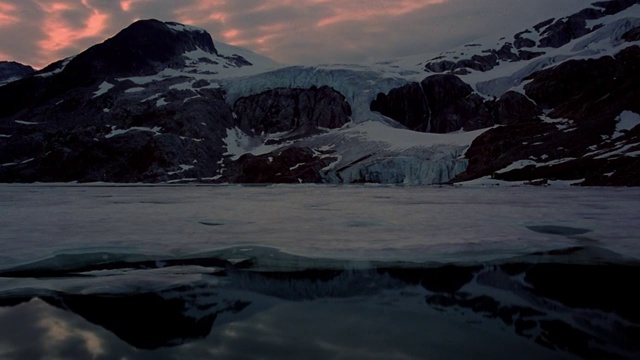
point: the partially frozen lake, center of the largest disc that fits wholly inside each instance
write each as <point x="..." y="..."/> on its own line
<point x="349" y="222"/>
<point x="138" y="271"/>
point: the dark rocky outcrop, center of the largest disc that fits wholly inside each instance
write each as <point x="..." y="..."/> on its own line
<point x="632" y="35"/>
<point x="584" y="89"/>
<point x="489" y="60"/>
<point x="513" y="108"/>
<point x="520" y="42"/>
<point x="499" y="147"/>
<point x="407" y="105"/>
<point x="291" y="165"/>
<point x="11" y="71"/>
<point x="300" y="111"/>
<point x="444" y="103"/>
<point x="564" y="30"/>
<point x="454" y="105"/>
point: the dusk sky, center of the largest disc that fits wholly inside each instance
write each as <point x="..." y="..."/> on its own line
<point x="38" y="32"/>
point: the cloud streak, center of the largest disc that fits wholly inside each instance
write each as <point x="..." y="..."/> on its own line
<point x="39" y="32"/>
<point x="8" y="14"/>
<point x="61" y="34"/>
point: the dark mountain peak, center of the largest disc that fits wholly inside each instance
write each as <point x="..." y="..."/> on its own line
<point x="144" y="48"/>
<point x="11" y="71"/>
<point x="183" y="37"/>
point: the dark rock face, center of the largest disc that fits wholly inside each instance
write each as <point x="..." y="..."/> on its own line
<point x="444" y="103"/>
<point x="437" y="104"/>
<point x="632" y="35"/>
<point x="581" y="89"/>
<point x="452" y="103"/>
<point x="488" y="61"/>
<point x="490" y="58"/>
<point x="300" y="111"/>
<point x="291" y="166"/>
<point x="407" y="105"/>
<point x="522" y="42"/>
<point x="499" y="147"/>
<point x="11" y="70"/>
<point x="564" y="30"/>
<point x="514" y="108"/>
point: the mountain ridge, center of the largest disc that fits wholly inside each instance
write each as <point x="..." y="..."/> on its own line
<point x="182" y="111"/>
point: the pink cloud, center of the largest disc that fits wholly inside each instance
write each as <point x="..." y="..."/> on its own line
<point x="231" y="34"/>
<point x="8" y="14"/>
<point x="359" y="10"/>
<point x="201" y="11"/>
<point x="128" y="5"/>
<point x="125" y="5"/>
<point x="60" y="34"/>
<point x="4" y="56"/>
<point x="265" y="26"/>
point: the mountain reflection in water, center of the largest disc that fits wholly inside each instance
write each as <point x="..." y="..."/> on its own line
<point x="558" y="304"/>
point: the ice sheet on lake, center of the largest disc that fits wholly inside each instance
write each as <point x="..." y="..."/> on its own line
<point x="441" y="224"/>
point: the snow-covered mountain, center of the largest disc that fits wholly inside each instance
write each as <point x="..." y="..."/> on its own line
<point x="555" y="101"/>
<point x="563" y="92"/>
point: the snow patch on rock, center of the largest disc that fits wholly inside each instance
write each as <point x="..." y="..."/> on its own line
<point x="103" y="89"/>
<point x="625" y="122"/>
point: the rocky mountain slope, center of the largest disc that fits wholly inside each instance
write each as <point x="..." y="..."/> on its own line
<point x="161" y="102"/>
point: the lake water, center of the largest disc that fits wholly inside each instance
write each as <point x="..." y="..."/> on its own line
<point x="101" y="271"/>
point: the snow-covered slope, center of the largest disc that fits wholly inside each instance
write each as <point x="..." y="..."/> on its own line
<point x="494" y="76"/>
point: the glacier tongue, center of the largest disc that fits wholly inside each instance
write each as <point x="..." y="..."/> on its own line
<point x="410" y="169"/>
<point x="373" y="152"/>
